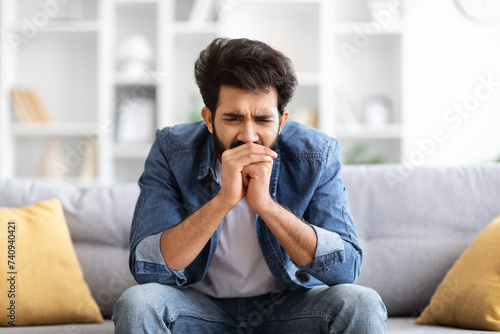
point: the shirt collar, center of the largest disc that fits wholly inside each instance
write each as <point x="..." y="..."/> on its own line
<point x="207" y="159"/>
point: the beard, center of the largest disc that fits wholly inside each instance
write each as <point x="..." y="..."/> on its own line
<point x="220" y="148"/>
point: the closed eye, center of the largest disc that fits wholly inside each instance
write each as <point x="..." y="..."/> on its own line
<point x="265" y="119"/>
<point x="232" y="116"/>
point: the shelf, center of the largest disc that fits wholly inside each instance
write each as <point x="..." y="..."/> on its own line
<point x="136" y="2"/>
<point x="123" y="79"/>
<point x="66" y="26"/>
<point x="364" y="131"/>
<point x="195" y="28"/>
<point x="73" y="26"/>
<point x="309" y="78"/>
<point x="353" y="28"/>
<point x="131" y="151"/>
<point x="53" y="129"/>
<point x="313" y="2"/>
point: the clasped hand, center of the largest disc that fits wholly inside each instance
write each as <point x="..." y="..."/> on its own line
<point x="246" y="172"/>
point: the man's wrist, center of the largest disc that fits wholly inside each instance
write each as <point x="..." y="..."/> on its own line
<point x="267" y="207"/>
<point x="221" y="203"/>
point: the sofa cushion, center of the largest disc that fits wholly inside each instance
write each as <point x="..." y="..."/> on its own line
<point x="45" y="283"/>
<point x="468" y="295"/>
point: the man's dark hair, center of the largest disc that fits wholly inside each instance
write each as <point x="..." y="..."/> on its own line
<point x="244" y="64"/>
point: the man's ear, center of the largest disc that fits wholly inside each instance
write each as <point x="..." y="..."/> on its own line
<point x="284" y="118"/>
<point x="207" y="116"/>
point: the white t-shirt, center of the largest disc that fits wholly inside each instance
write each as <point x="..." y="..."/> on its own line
<point x="238" y="268"/>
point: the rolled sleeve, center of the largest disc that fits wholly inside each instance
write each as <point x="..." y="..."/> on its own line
<point x="328" y="242"/>
<point x="148" y="250"/>
<point x="150" y="265"/>
<point x="329" y="251"/>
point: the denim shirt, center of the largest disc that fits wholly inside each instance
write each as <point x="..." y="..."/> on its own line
<point x="179" y="178"/>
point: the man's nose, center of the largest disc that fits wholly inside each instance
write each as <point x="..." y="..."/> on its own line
<point x="247" y="133"/>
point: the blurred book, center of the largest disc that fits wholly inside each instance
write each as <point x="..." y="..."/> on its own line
<point x="28" y="106"/>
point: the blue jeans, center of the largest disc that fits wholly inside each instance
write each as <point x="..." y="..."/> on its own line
<point x="156" y="308"/>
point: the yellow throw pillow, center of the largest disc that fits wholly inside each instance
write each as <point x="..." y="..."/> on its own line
<point x="41" y="279"/>
<point x="468" y="296"/>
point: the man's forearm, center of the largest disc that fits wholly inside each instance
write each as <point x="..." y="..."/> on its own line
<point x="296" y="237"/>
<point x="181" y="244"/>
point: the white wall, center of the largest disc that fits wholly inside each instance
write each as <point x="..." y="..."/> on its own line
<point x="446" y="55"/>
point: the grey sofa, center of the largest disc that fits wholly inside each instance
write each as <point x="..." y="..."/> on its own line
<point x="413" y="224"/>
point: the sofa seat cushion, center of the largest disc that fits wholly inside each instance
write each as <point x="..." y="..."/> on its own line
<point x="406" y="325"/>
<point x="395" y="325"/>
<point x="106" y="327"/>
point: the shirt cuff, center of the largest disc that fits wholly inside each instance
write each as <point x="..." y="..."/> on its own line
<point x="327" y="242"/>
<point x="329" y="251"/>
<point x="148" y="252"/>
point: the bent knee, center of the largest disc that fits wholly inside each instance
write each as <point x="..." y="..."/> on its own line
<point x="359" y="296"/>
<point x="139" y="297"/>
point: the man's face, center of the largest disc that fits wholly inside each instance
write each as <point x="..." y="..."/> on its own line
<point x="245" y="117"/>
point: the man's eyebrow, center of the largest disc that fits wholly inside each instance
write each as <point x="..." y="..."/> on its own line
<point x="264" y="116"/>
<point x="233" y="114"/>
<point x="236" y="114"/>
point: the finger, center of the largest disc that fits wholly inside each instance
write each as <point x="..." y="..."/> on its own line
<point x="249" y="155"/>
<point x="245" y="179"/>
<point x="257" y="170"/>
<point x="252" y="148"/>
<point x="237" y="160"/>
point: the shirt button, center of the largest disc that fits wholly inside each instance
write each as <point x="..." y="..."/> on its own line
<point x="302" y="276"/>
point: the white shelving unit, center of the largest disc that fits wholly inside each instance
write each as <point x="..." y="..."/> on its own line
<point x="105" y="108"/>
<point x="135" y="92"/>
<point x="367" y="80"/>
<point x="55" y="53"/>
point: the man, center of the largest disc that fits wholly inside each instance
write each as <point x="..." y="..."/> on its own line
<point x="242" y="223"/>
